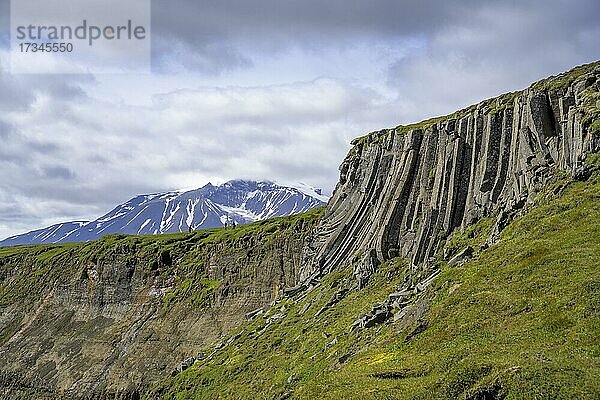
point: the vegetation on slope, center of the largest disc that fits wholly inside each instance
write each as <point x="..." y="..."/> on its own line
<point x="521" y="320"/>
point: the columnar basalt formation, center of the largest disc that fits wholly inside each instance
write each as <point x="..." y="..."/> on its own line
<point x="402" y="190"/>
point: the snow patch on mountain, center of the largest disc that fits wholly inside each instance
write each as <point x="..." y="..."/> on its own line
<point x="307" y="190"/>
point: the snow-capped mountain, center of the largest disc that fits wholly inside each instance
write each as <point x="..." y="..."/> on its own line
<point x="208" y="207"/>
<point x="51" y="234"/>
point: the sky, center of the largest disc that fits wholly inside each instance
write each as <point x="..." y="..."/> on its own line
<point x="264" y="89"/>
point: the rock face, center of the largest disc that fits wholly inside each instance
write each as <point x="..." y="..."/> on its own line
<point x="105" y="320"/>
<point x="402" y="190"/>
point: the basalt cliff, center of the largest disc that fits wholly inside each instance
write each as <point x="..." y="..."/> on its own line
<point x="457" y="258"/>
<point x="403" y="190"/>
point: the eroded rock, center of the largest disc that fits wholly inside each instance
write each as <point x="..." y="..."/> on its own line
<point x="462" y="257"/>
<point x="379" y="314"/>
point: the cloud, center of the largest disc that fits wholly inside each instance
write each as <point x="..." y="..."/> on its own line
<point x="5" y="130"/>
<point x="57" y="172"/>
<point x="4" y="23"/>
<point x="13" y="96"/>
<point x="92" y="152"/>
<point x="497" y="47"/>
<point x="217" y="36"/>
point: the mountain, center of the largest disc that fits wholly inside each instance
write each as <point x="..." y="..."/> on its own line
<point x="211" y="206"/>
<point x="457" y="259"/>
<point x="51" y="234"/>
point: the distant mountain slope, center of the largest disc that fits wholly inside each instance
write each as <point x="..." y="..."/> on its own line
<point x="51" y="234"/>
<point x="211" y="206"/>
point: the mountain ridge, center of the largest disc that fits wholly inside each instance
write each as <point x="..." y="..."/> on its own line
<point x="236" y="201"/>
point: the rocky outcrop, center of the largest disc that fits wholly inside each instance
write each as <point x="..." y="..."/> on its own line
<point x="403" y="190"/>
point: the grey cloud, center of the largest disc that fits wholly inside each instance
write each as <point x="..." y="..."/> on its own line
<point x="63" y="88"/>
<point x="501" y="47"/>
<point x="19" y="149"/>
<point x="282" y="105"/>
<point x="14" y="95"/>
<point x="13" y="215"/>
<point x="227" y="34"/>
<point x="208" y="58"/>
<point x="296" y="170"/>
<point x="4" y="23"/>
<point x="274" y="19"/>
<point x="18" y="92"/>
<point x="47" y="148"/>
<point x="67" y="91"/>
<point x="40" y="187"/>
<point x="5" y="130"/>
<point x="20" y="214"/>
<point x="98" y="159"/>
<point x="57" y="172"/>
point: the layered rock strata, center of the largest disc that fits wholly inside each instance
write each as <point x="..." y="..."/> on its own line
<point x="106" y="320"/>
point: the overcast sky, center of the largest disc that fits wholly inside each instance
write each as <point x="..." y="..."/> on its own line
<point x="269" y="89"/>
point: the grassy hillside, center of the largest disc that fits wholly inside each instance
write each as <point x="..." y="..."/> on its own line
<point x="521" y="320"/>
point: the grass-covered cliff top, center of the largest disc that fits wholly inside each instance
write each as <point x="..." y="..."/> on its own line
<point x="261" y="230"/>
<point x="179" y="255"/>
<point x="493" y="105"/>
<point x="519" y="321"/>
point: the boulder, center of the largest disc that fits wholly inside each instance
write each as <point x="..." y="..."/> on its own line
<point x="379" y="314"/>
<point x="340" y="294"/>
<point x="253" y="314"/>
<point x="461" y="258"/>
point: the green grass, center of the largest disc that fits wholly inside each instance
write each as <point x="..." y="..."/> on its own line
<point x="296" y="346"/>
<point x="564" y="79"/>
<point x="521" y="319"/>
<point x="197" y="291"/>
<point x="474" y="236"/>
